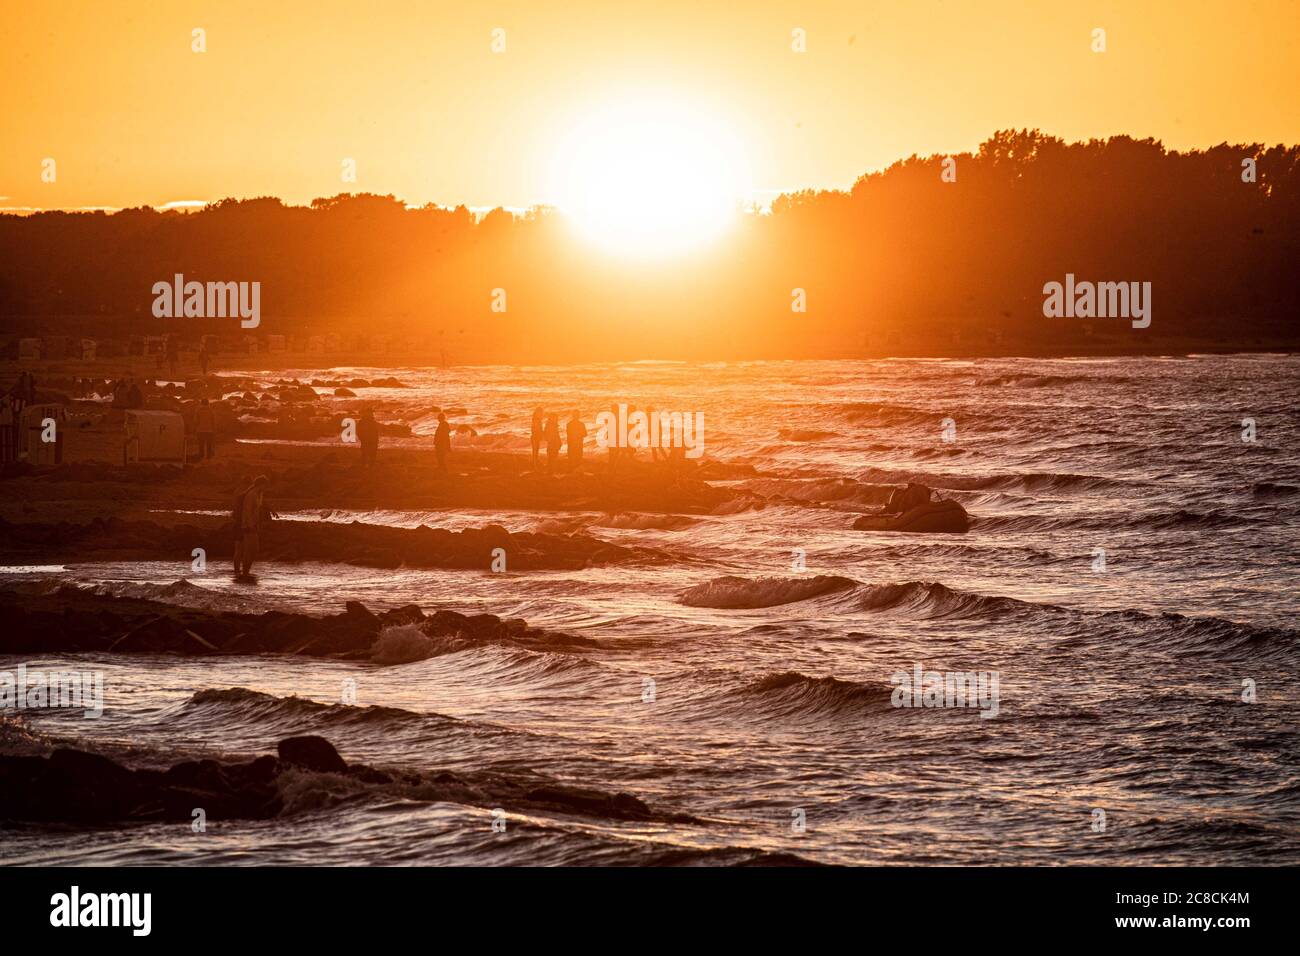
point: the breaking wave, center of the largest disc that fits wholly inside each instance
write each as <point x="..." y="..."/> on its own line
<point x="739" y="593"/>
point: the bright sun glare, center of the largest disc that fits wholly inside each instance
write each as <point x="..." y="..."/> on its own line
<point x="650" y="179"/>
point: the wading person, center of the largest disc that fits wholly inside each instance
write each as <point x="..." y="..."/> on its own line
<point x="442" y="443"/>
<point x="577" y="433"/>
<point x="250" y="521"/>
<point x="536" y="434"/>
<point x="237" y="524"/>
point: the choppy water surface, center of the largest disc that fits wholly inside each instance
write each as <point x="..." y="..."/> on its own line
<point x="1120" y="689"/>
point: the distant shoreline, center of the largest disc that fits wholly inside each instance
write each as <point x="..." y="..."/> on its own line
<point x="147" y="367"/>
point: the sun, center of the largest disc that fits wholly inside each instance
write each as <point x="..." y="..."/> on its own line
<point x="650" y="178"/>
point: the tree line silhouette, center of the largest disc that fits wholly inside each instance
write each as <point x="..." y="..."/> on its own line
<point x="904" y="262"/>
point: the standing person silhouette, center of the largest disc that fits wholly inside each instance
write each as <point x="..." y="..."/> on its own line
<point x="536" y="435"/>
<point x="656" y="451"/>
<point x="251" y="509"/>
<point x="237" y="522"/>
<point x="577" y="433"/>
<point x="629" y="450"/>
<point x="442" y="442"/>
<point x="552" y="441"/>
<point x="612" y="437"/>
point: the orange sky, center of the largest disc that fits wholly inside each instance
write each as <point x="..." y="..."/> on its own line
<point x="414" y="93"/>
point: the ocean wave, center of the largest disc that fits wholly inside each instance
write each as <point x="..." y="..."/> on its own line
<point x="562" y="524"/>
<point x="1208" y="635"/>
<point x="1039" y="381"/>
<point x="406" y="644"/>
<point x="804" y="434"/>
<point x="747" y="593"/>
<point x="899" y="416"/>
<point x="1024" y="481"/>
<point x="818" y="490"/>
<point x="792" y="694"/>
<point x="737" y="505"/>
<point x="491" y="441"/>
<point x="638" y="521"/>
<point x="180" y="592"/>
<point x="884" y="413"/>
<point x="930" y="599"/>
<point x="275" y="712"/>
<point x="1135" y="520"/>
<point x="947" y="451"/>
<point x="1200" y="635"/>
<point x="722" y="856"/>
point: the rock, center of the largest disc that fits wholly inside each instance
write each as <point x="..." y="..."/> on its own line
<point x="72" y="786"/>
<point x="406" y="614"/>
<point x="617" y="805"/>
<point x="311" y="753"/>
<point x="79" y="788"/>
<point x="362" y="615"/>
<point x="70" y="620"/>
<point x="291" y="541"/>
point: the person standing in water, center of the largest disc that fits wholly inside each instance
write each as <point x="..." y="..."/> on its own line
<point x="442" y="442"/>
<point x="249" y="508"/>
<point x="577" y="433"/>
<point x="552" y="441"/>
<point x="536" y="434"/>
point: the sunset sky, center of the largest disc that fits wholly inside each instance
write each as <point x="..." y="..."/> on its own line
<point x="413" y="92"/>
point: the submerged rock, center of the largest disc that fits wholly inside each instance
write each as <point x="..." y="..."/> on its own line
<point x="76" y="787"/>
<point x="71" y="619"/>
<point x="73" y="786"/>
<point x="367" y="545"/>
<point x="312" y="753"/>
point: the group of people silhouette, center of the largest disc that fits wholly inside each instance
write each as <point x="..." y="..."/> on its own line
<point x="367" y="435"/>
<point x="546" y="431"/>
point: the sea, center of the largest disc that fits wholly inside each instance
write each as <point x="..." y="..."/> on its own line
<point x="1126" y="598"/>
